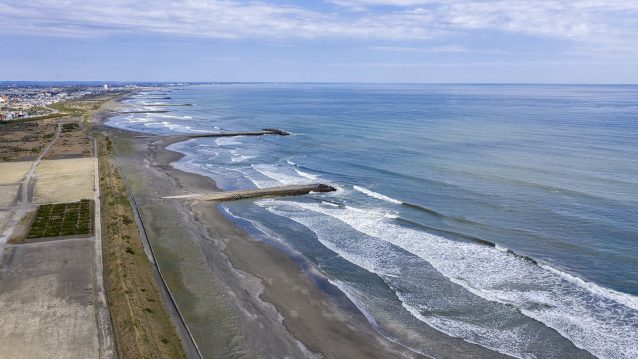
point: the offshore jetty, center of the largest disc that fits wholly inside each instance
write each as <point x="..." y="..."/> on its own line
<point x="265" y="131"/>
<point x="290" y="190"/>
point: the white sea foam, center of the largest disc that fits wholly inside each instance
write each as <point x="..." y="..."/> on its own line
<point x="376" y="195"/>
<point x="173" y="127"/>
<point x="135" y="119"/>
<point x="330" y="204"/>
<point x="599" y="320"/>
<point x="332" y="238"/>
<point x="307" y="175"/>
<point x="352" y="294"/>
<point x="285" y="175"/>
<point x="374" y="257"/>
<point x="176" y="127"/>
<point x="227" y="141"/>
<point x="281" y="174"/>
<point x="162" y="115"/>
<point x="291" y="163"/>
<point x="207" y="151"/>
<point x="259" y="179"/>
<point x="506" y="341"/>
<point x="628" y="300"/>
<point x="237" y="156"/>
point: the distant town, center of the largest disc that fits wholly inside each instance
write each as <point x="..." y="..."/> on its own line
<point x="22" y="101"/>
<point x="34" y="100"/>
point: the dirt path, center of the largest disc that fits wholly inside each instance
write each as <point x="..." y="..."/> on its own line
<point x="24" y="195"/>
<point x="103" y="317"/>
<point x="24" y="202"/>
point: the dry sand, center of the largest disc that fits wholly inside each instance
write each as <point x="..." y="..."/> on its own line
<point x="13" y="172"/>
<point x="8" y="195"/>
<point x="65" y="180"/>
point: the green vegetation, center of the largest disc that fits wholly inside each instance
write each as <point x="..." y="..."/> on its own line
<point x="34" y="118"/>
<point x="142" y="326"/>
<point x="70" y="127"/>
<point x="67" y="107"/>
<point x="62" y="219"/>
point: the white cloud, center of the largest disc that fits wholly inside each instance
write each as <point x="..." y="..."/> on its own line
<point x="434" y="49"/>
<point x="608" y="21"/>
<point x="559" y="18"/>
<point x="214" y="19"/>
<point x="446" y="49"/>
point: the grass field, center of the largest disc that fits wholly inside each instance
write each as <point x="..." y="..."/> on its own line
<point x="24" y="140"/>
<point x="62" y="219"/>
<point x="69" y="127"/>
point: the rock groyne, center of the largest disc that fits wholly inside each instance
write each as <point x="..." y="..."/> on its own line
<point x="291" y="190"/>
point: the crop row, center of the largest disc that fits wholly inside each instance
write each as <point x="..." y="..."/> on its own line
<point x="62" y="219"/>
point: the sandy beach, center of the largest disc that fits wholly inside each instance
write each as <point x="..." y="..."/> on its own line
<point x="239" y="296"/>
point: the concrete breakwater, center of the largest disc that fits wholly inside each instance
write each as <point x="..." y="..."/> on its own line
<point x="184" y="137"/>
<point x="169" y="105"/>
<point x="291" y="190"/>
<point x="146" y="111"/>
<point x="288" y="190"/>
<point x="265" y="131"/>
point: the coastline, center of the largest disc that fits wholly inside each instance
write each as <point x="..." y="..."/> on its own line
<point x="223" y="278"/>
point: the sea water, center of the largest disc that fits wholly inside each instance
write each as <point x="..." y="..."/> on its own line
<point x="504" y="215"/>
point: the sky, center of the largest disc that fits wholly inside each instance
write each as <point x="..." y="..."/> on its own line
<point x="426" y="41"/>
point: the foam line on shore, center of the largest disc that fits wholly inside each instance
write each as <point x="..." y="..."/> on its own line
<point x="605" y="330"/>
<point x="374" y="260"/>
<point x="376" y="195"/>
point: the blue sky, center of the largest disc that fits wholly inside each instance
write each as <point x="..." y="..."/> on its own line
<point x="555" y="41"/>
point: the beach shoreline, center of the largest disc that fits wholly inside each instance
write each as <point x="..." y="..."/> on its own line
<point x="253" y="297"/>
<point x="269" y="318"/>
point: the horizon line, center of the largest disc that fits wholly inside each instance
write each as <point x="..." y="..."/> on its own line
<point x="322" y="82"/>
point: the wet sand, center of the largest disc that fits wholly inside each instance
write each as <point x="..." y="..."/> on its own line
<point x="242" y="297"/>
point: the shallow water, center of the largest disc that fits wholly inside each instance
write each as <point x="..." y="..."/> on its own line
<point x="501" y="214"/>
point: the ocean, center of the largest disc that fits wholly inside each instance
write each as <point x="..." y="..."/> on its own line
<point x="504" y="215"/>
